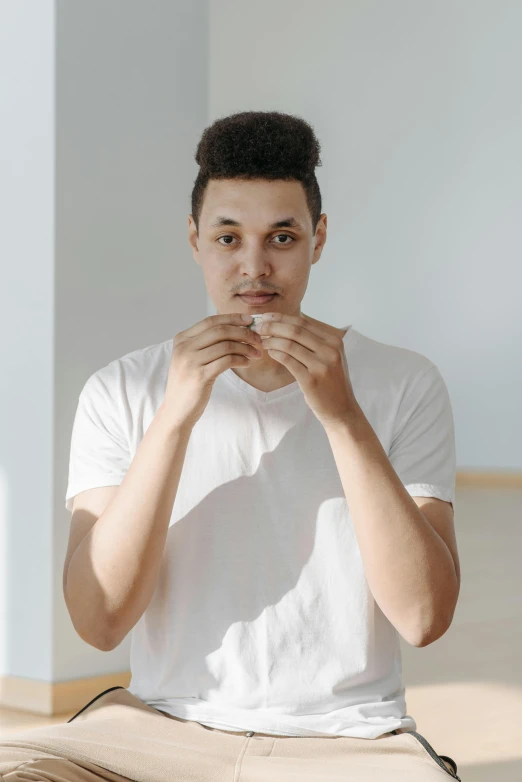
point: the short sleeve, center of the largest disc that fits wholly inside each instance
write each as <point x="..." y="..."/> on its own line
<point x="422" y="452"/>
<point x="99" y="453"/>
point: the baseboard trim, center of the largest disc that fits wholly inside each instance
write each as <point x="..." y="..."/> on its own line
<point x="51" y="699"/>
<point x="488" y="480"/>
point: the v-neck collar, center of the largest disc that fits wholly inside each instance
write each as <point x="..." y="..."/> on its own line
<point x="268" y="396"/>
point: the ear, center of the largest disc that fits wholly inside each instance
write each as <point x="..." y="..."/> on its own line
<point x="193" y="239"/>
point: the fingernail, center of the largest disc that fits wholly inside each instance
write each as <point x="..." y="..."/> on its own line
<point x="246" y="318"/>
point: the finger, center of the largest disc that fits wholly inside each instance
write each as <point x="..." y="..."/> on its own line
<point x="234" y="318"/>
<point x="298" y="370"/>
<point x="276" y="326"/>
<point x="295" y="332"/>
<point x="293" y="349"/>
<point x="313" y="360"/>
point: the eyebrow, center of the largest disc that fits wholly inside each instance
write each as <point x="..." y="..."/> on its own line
<point x="288" y="222"/>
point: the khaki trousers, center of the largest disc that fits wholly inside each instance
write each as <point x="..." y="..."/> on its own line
<point x="118" y="737"/>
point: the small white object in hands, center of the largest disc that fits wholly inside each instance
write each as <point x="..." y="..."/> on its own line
<point x="257" y="319"/>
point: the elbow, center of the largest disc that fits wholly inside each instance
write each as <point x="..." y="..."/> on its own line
<point x="433" y="623"/>
<point x="105" y="643"/>
<point x="102" y="645"/>
<point x="108" y="643"/>
<point x="99" y="641"/>
<point x="425" y="640"/>
<point x="429" y="634"/>
<point x="111" y="637"/>
<point x="97" y="636"/>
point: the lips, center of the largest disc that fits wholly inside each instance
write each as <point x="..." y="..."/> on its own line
<point x="257" y="299"/>
<point x="256" y="293"/>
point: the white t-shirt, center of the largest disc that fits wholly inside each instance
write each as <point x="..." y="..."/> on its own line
<point x="262" y="618"/>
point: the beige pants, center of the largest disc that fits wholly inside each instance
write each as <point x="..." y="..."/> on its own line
<point x="118" y="737"/>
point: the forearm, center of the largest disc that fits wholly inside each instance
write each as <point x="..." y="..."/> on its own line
<point x="409" y="568"/>
<point x="113" y="572"/>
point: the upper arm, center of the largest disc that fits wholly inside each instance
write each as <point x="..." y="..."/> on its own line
<point x="87" y="508"/>
<point x="423" y="452"/>
<point x="100" y="451"/>
<point x="440" y="515"/>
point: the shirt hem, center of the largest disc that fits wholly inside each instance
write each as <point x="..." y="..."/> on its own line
<point x="204" y="717"/>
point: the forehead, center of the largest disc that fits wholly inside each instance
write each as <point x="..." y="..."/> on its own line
<point x="259" y="201"/>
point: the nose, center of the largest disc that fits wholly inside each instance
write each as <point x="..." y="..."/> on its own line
<point x="254" y="261"/>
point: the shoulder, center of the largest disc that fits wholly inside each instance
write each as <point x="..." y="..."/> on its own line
<point x="133" y="374"/>
<point x="381" y="365"/>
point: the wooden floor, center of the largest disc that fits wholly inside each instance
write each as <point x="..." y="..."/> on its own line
<point x="465" y="690"/>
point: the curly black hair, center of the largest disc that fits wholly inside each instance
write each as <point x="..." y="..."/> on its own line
<point x="259" y="145"/>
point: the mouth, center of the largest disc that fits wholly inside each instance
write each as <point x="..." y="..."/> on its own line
<point x="261" y="299"/>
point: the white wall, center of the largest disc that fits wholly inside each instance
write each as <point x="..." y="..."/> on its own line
<point x="26" y="342"/>
<point x="417" y="107"/>
<point x="131" y="104"/>
<point x="95" y="262"/>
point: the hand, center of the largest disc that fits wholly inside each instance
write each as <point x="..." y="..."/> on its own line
<point x="316" y="358"/>
<point x="199" y="355"/>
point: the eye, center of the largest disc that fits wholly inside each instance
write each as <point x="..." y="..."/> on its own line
<point x="229" y="236"/>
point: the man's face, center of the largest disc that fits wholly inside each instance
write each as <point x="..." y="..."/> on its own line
<point x="253" y="255"/>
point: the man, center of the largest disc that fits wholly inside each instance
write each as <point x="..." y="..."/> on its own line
<point x="265" y="513"/>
